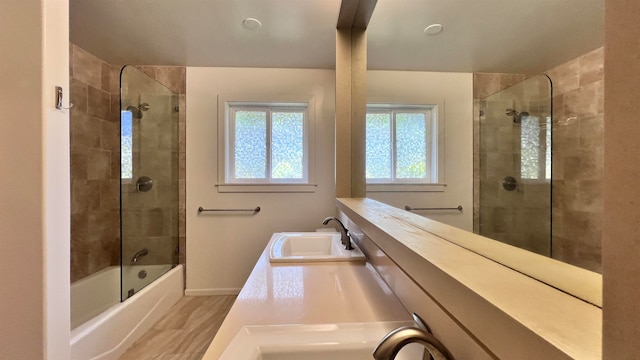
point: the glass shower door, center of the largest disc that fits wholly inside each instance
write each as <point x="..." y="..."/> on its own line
<point x="149" y="180"/>
<point x="515" y="165"/>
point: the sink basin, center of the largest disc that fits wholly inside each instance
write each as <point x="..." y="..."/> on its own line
<point x="311" y="247"/>
<point x="352" y="341"/>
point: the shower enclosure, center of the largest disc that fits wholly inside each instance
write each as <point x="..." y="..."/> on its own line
<point x="513" y="195"/>
<point x="148" y="180"/>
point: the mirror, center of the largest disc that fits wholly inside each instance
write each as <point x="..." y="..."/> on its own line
<point x="518" y="88"/>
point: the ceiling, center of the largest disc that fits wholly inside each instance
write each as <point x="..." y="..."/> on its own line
<point x="510" y="36"/>
<point x="518" y="36"/>
<point x="294" y="33"/>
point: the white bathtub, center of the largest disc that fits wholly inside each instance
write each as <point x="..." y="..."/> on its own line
<point x="108" y="326"/>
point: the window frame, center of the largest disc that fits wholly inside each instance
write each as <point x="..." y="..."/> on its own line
<point x="433" y="140"/>
<point x="268" y="109"/>
<point x="227" y="182"/>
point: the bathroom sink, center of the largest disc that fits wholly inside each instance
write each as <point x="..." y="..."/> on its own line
<point x="311" y="247"/>
<point x="349" y="341"/>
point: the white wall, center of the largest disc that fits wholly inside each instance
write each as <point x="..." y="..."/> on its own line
<point x="223" y="248"/>
<point x="34" y="180"/>
<point x="456" y="91"/>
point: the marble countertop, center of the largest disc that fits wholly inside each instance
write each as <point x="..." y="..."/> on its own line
<point x="314" y="293"/>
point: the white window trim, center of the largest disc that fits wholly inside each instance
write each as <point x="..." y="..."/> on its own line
<point x="435" y="144"/>
<point x="259" y="185"/>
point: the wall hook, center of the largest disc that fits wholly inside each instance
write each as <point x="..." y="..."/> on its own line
<point x="59" y="98"/>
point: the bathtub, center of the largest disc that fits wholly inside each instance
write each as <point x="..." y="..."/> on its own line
<point x="102" y="326"/>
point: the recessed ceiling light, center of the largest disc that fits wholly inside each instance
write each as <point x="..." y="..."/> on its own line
<point x="433" y="29"/>
<point x="251" y="23"/>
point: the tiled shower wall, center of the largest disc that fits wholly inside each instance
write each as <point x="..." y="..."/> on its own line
<point x="578" y="160"/>
<point x="95" y="185"/>
<point x="578" y="133"/>
<point x="519" y="217"/>
<point x="95" y="167"/>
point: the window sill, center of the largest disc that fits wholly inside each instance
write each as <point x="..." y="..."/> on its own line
<point x="408" y="187"/>
<point x="266" y="188"/>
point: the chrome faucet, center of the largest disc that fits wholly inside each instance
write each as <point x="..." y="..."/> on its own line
<point x="391" y="344"/>
<point x="346" y="235"/>
<point x="138" y="255"/>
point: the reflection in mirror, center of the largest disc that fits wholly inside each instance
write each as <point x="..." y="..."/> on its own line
<point x="512" y="201"/>
<point x="521" y="109"/>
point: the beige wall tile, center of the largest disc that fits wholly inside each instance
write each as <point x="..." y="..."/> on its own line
<point x="84" y="131"/>
<point x="78" y="95"/>
<point x="585" y="101"/>
<point x="79" y="163"/>
<point x="99" y="103"/>
<point x="172" y="77"/>
<point x="114" y="80"/>
<point x="87" y="68"/>
<point x="581" y="165"/>
<point x="508" y="80"/>
<point x="114" y="165"/>
<point x="109" y="135"/>
<point x="85" y="196"/>
<point x="105" y="77"/>
<point x="98" y="164"/>
<point x="95" y="191"/>
<point x="558" y="109"/>
<point x="115" y="109"/>
<point x="578" y="159"/>
<point x="565" y="77"/>
<point x="110" y="194"/>
<point x="485" y="84"/>
<point x="592" y="67"/>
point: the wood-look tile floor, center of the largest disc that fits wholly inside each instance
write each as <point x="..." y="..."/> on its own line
<point x="185" y="332"/>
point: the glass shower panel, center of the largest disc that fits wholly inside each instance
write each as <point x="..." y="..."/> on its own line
<point x="515" y="165"/>
<point x="149" y="179"/>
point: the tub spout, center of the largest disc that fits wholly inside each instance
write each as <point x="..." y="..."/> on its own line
<point x="398" y="338"/>
<point x="138" y="255"/>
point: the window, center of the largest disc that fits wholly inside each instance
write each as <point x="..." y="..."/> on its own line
<point x="267" y="143"/>
<point x="126" y="145"/>
<point x="401" y="144"/>
<point x="535" y="148"/>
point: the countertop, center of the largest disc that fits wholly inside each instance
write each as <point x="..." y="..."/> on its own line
<point x="312" y="293"/>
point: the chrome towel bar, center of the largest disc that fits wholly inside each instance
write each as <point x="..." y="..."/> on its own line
<point x="409" y="208"/>
<point x="256" y="210"/>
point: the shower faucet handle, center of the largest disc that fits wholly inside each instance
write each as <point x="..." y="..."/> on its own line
<point x="144" y="184"/>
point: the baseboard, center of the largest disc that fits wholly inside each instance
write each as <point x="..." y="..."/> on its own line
<point x="210" y="292"/>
